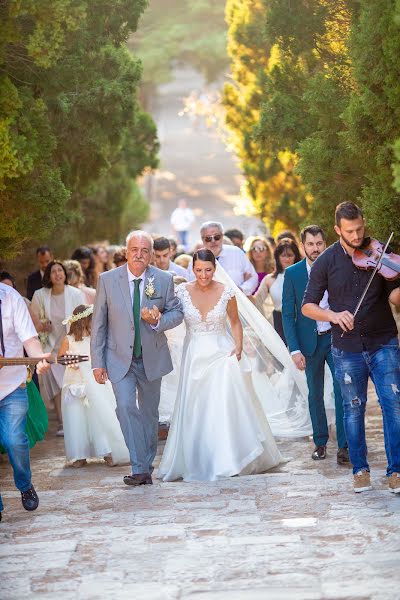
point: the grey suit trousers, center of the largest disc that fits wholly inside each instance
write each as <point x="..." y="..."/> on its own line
<point x="138" y="419"/>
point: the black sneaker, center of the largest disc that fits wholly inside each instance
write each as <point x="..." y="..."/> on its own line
<point x="30" y="499"/>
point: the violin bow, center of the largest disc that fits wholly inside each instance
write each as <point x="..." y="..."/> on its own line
<point x="374" y="272"/>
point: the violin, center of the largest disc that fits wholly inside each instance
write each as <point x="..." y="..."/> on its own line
<point x="375" y="254"/>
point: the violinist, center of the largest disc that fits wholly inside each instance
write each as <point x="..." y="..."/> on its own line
<point x="363" y="346"/>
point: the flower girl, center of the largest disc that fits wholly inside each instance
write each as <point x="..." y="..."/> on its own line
<point x="91" y="428"/>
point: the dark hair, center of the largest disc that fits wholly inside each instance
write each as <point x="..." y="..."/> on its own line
<point x="234" y="233"/>
<point x="204" y="254"/>
<point x="82" y="326"/>
<point x="286" y="235"/>
<point x="161" y="243"/>
<point x="119" y="256"/>
<point x="82" y="253"/>
<point x="312" y="230"/>
<point x="348" y="211"/>
<point x="173" y="242"/>
<point x="283" y="246"/>
<point x="6" y="275"/>
<point x="46" y="277"/>
<point x="42" y="250"/>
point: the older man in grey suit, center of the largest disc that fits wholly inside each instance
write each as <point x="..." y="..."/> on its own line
<point x="134" y="305"/>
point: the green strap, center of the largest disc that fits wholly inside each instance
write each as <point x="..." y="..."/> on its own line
<point x="137" y="344"/>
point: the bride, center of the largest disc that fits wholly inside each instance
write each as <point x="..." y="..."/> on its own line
<point x="219" y="428"/>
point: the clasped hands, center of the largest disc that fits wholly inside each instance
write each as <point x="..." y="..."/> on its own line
<point x="151" y="316"/>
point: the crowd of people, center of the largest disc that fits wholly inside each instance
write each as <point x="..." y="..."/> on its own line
<point x="307" y="291"/>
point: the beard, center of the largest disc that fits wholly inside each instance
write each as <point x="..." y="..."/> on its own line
<point x="351" y="244"/>
<point x="312" y="256"/>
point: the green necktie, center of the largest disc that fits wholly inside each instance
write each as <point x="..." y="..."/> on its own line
<point x="137" y="344"/>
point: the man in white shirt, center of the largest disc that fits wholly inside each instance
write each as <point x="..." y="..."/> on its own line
<point x="182" y="219"/>
<point x="162" y="258"/>
<point x="17" y="332"/>
<point x="232" y="259"/>
<point x="310" y="344"/>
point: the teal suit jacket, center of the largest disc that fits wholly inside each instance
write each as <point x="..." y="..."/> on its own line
<point x="300" y="331"/>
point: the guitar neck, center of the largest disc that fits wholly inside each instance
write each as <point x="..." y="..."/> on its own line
<point x="23" y="360"/>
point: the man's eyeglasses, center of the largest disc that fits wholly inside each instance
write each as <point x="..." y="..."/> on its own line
<point x="258" y="248"/>
<point x="212" y="238"/>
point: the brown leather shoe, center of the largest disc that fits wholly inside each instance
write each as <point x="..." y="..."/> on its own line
<point x="139" y="479"/>
<point x="319" y="453"/>
<point x="163" y="429"/>
<point x="342" y="456"/>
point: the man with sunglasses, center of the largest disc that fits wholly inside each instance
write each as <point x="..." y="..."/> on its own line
<point x="231" y="258"/>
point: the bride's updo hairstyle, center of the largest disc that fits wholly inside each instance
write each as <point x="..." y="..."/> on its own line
<point x="205" y="255"/>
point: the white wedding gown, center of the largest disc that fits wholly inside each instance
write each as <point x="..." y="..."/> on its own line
<point x="219" y="428"/>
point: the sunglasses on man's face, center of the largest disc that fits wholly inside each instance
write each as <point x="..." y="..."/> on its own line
<point x="212" y="238"/>
<point x="258" y="248"/>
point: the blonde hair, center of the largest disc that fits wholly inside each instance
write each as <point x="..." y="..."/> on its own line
<point x="269" y="260"/>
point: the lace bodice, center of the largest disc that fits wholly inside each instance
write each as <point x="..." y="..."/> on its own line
<point x="215" y="320"/>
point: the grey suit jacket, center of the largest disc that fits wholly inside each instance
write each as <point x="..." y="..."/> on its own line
<point x="113" y="330"/>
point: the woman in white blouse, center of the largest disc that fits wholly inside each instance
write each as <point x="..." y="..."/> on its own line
<point x="51" y="305"/>
<point x="286" y="254"/>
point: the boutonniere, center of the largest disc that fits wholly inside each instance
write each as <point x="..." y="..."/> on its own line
<point x="150" y="290"/>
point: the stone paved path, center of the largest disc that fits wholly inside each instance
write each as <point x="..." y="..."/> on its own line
<point x="298" y="533"/>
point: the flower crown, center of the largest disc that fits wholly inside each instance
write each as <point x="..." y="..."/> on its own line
<point x="72" y="318"/>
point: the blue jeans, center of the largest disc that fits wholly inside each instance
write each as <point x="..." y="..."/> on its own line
<point x="352" y="371"/>
<point x="13" y="410"/>
<point x="182" y="238"/>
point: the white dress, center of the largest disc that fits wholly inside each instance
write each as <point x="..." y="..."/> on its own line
<point x="218" y="428"/>
<point x="91" y="427"/>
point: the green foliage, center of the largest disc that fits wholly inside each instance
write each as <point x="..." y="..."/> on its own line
<point x="268" y="165"/>
<point x="70" y="122"/>
<point x="373" y="113"/>
<point x="326" y="92"/>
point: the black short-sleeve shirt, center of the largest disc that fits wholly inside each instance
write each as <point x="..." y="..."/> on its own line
<point x="374" y="324"/>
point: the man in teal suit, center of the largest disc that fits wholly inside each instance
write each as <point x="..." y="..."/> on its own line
<point x="310" y="345"/>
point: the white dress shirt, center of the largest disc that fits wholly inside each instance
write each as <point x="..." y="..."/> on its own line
<point x="321" y="325"/>
<point x="236" y="264"/>
<point x="182" y="219"/>
<point x="18" y="327"/>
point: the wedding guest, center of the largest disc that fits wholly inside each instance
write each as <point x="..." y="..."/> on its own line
<point x="286" y="235"/>
<point x="182" y="219"/>
<point x="162" y="257"/>
<point x="231" y="258"/>
<point x="309" y="343"/>
<point x="183" y="260"/>
<point x="119" y="257"/>
<point x="286" y="254"/>
<point x="174" y="247"/>
<point x="91" y="428"/>
<point x="260" y="256"/>
<point x="51" y="305"/>
<point x="362" y="347"/>
<point x="84" y="255"/>
<point x="101" y="260"/>
<point x="76" y="278"/>
<point x="17" y="332"/>
<point x="35" y="280"/>
<point x="236" y="237"/>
